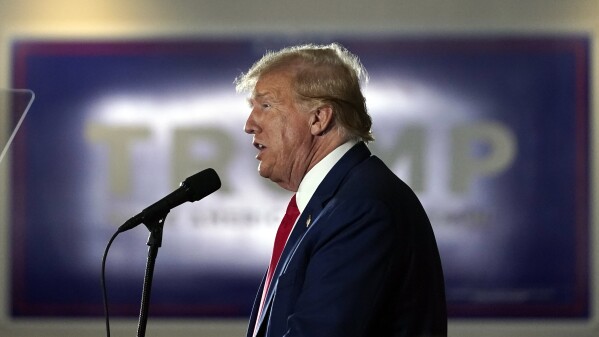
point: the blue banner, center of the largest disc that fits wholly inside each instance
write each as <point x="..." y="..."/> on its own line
<point x="491" y="132"/>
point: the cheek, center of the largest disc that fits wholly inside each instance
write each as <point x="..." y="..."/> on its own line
<point x="289" y="144"/>
<point x="281" y="133"/>
<point x="289" y="135"/>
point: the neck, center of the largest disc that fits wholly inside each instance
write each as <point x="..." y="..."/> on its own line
<point x="325" y="146"/>
<point x="321" y="146"/>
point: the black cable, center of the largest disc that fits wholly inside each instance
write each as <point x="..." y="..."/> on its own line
<point x="105" y="297"/>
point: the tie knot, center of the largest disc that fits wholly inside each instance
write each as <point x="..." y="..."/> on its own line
<point x="292" y="207"/>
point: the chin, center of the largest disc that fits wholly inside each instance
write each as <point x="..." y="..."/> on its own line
<point x="263" y="172"/>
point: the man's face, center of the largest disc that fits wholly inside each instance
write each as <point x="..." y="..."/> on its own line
<point x="281" y="131"/>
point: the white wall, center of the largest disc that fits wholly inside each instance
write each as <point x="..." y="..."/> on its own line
<point x="154" y="18"/>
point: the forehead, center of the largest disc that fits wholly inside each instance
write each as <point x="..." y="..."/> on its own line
<point x="273" y="84"/>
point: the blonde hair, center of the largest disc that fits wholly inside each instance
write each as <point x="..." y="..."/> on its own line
<point x="322" y="75"/>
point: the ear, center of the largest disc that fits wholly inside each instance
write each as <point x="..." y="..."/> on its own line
<point x="321" y="120"/>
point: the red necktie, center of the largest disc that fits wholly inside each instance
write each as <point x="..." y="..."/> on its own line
<point x="280" y="241"/>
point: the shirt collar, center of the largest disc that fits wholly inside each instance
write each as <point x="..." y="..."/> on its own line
<point x="317" y="174"/>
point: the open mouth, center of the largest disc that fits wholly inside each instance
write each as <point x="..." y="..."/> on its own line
<point x="259" y="146"/>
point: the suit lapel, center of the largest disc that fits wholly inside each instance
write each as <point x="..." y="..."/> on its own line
<point x="333" y="180"/>
<point x="298" y="231"/>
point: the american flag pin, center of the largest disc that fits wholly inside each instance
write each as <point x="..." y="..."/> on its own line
<point x="309" y="220"/>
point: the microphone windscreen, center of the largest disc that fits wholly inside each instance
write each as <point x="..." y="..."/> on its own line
<point x="202" y="184"/>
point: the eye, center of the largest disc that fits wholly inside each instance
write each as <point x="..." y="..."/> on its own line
<point x="265" y="105"/>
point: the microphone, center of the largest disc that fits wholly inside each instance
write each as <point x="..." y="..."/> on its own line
<point x="192" y="189"/>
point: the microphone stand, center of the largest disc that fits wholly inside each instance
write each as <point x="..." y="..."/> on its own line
<point x="155" y="226"/>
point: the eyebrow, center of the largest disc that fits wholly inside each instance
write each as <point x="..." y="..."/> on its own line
<point x="258" y="96"/>
<point x="262" y="95"/>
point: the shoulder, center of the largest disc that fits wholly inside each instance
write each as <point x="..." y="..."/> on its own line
<point x="372" y="179"/>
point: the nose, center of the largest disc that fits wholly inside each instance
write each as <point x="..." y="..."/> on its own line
<point x="251" y="126"/>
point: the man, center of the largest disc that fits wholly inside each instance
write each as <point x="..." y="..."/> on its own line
<point x="361" y="259"/>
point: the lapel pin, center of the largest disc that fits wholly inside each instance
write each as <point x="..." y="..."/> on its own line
<point x="309" y="220"/>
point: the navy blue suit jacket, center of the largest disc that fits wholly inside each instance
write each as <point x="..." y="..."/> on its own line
<point x="361" y="261"/>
